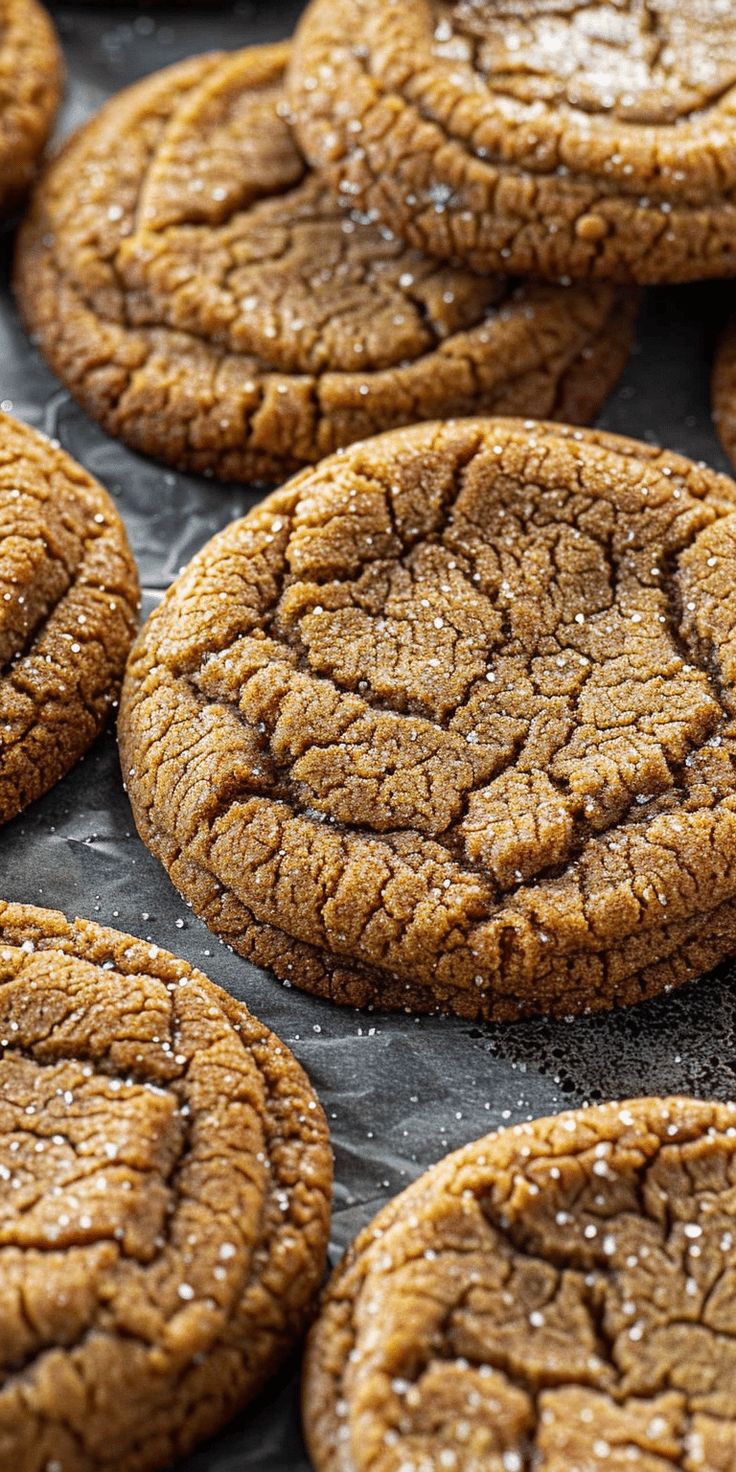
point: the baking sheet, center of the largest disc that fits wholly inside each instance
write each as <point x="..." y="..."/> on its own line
<point x="399" y="1093"/>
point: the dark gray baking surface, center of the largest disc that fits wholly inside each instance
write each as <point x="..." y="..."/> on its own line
<point x="399" y="1093"/>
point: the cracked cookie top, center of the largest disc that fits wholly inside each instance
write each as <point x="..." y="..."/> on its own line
<point x="165" y="1199"/>
<point x="643" y="61"/>
<point x="556" y="1296"/>
<point x="448" y="722"/>
<point x="31" y="74"/>
<point x="68" y="612"/>
<point x="204" y="296"/>
<point x="555" y="137"/>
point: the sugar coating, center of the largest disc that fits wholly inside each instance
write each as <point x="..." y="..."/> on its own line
<point x="447" y="723"/>
<point x="203" y="294"/>
<point x="165" y="1181"/>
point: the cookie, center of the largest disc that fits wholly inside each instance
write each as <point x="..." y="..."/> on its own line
<point x="558" y="1295"/>
<point x="68" y="613"/>
<point x="446" y="723"/>
<point x="577" y="139"/>
<point x="32" y="73"/>
<point x="165" y="1209"/>
<point x="205" y="298"/>
<point x="724" y="389"/>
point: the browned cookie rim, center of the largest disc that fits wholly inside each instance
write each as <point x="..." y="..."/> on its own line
<point x="270" y="1131"/>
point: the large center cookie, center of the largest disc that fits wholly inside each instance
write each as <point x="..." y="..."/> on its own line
<point x="558" y="1296"/>
<point x="447" y="723"/>
<point x="587" y="137"/>
<point x="205" y="297"/>
<point x="30" y="91"/>
<point x="164" y="1209"/>
<point x="68" y="612"/>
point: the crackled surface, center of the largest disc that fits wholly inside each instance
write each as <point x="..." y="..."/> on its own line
<point x="165" y="1175"/>
<point x="448" y="722"/>
<point x="645" y="61"/>
<point x="30" y="90"/>
<point x="560" y="139"/>
<point x="558" y="1296"/>
<point x="203" y="295"/>
<point x="68" y="612"/>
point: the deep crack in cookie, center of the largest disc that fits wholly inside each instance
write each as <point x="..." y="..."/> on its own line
<point x="582" y="138"/>
<point x="68" y="613"/>
<point x="447" y="723"/>
<point x="203" y="296"/>
<point x="165" y="1201"/>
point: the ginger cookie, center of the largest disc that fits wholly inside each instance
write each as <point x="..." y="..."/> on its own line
<point x="558" y="1295"/>
<point x="68" y="613"/>
<point x="447" y="723"/>
<point x="166" y="1201"/>
<point x="32" y="72"/>
<point x="584" y="138"/>
<point x="724" y="390"/>
<point x="203" y="295"/>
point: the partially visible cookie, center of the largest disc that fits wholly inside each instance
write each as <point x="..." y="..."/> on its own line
<point x="557" y="1296"/>
<point x="447" y="723"/>
<point x="204" y="296"/>
<point x="724" y="389"/>
<point x="582" y="138"/>
<point x="68" y="612"/>
<point x="166" y="1198"/>
<point x="31" y="74"/>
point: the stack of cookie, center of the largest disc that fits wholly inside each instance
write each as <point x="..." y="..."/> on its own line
<point x="445" y="724"/>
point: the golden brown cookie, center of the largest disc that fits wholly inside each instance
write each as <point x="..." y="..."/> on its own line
<point x="447" y="723"/>
<point x="552" y="137"/>
<point x="557" y="1296"/>
<point x="31" y="74"/>
<point x="68" y="612"/>
<point x="205" y="298"/>
<point x="165" y="1204"/>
